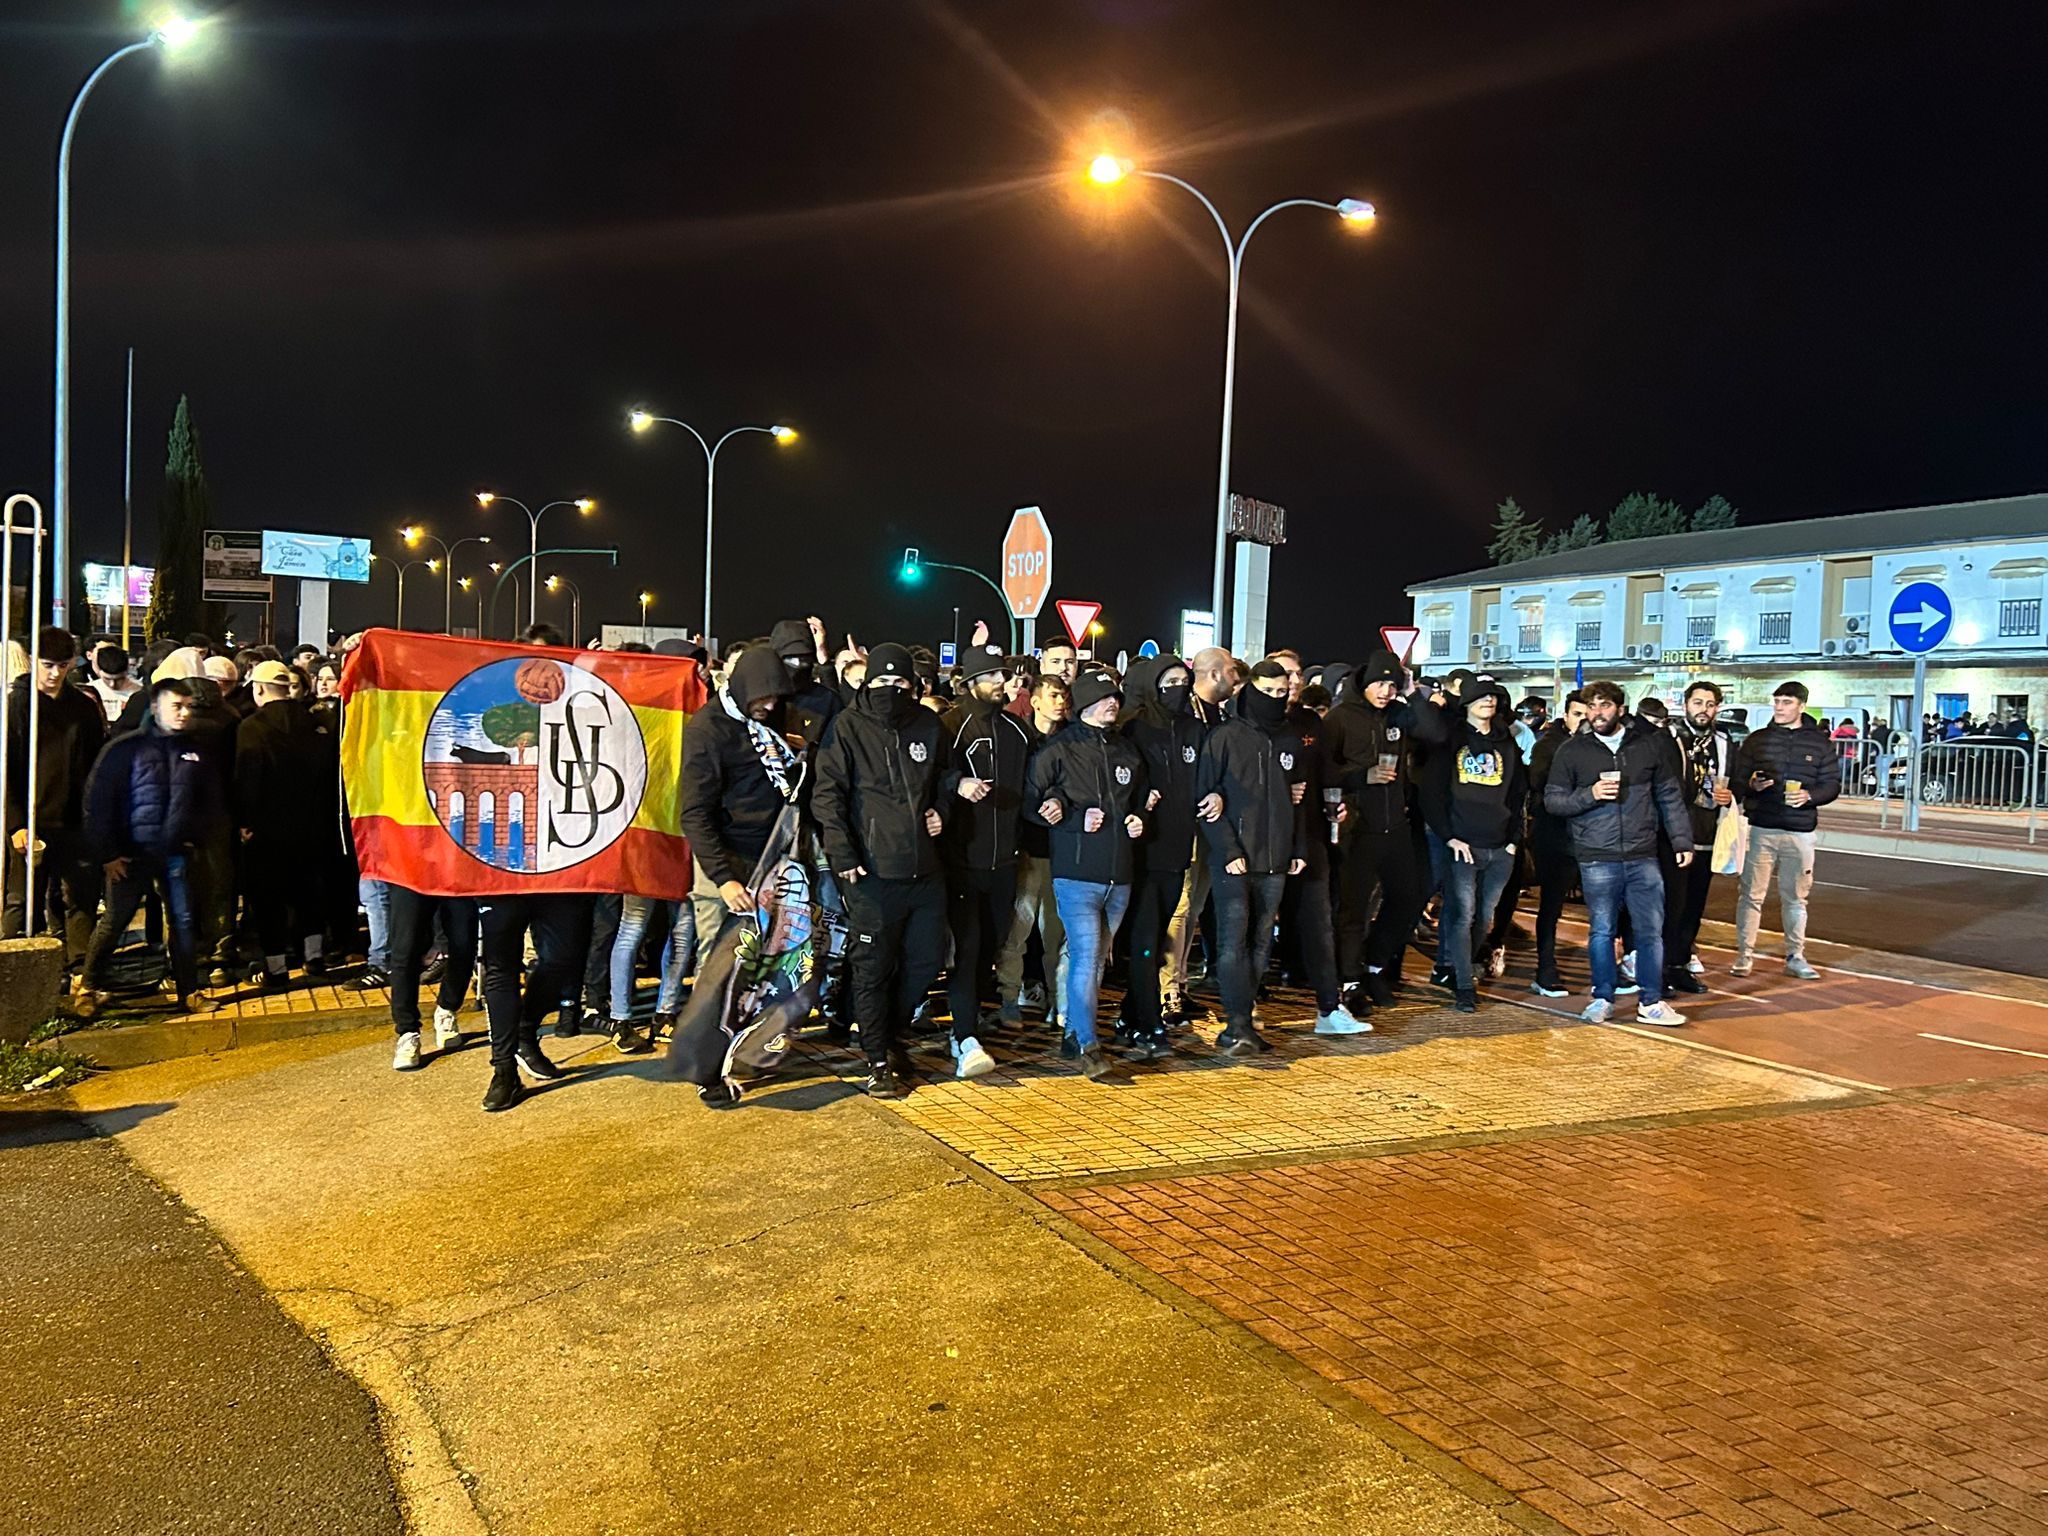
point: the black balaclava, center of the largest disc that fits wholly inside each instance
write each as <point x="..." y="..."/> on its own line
<point x="896" y="706"/>
<point x="1263" y="709"/>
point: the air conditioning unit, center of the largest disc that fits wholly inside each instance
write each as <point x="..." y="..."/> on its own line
<point x="1831" y="647"/>
<point x="1486" y="652"/>
<point x="1650" y="651"/>
<point x="1478" y="641"/>
<point x="1855" y="647"/>
<point x="1632" y="652"/>
<point x="1717" y="650"/>
<point x="1854" y="624"/>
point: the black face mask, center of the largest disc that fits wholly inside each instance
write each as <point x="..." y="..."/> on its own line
<point x="894" y="705"/>
<point x="1262" y="709"/>
<point x="800" y="670"/>
<point x="1175" y="698"/>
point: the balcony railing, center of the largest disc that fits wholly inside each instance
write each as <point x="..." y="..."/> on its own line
<point x="2019" y="616"/>
<point x="1586" y="639"/>
<point x="1774" y="629"/>
<point x="1699" y="629"/>
<point x="1529" y="637"/>
<point x="1439" y="642"/>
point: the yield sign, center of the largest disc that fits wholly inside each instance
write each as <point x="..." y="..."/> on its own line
<point x="1077" y="617"/>
<point x="1400" y="639"/>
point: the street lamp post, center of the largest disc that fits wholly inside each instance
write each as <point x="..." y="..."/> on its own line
<point x="1107" y="170"/>
<point x="466" y="583"/>
<point x="582" y="504"/>
<point x="496" y="567"/>
<point x="171" y="35"/>
<point x="645" y="599"/>
<point x="575" y="605"/>
<point x="640" y="421"/>
<point x="398" y="619"/>
<point x="414" y="536"/>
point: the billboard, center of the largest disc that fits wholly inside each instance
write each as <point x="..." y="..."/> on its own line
<point x="103" y="585"/>
<point x="231" y="567"/>
<point x="315" y="556"/>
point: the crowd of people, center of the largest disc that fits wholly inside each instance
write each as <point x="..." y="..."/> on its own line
<point x="994" y="834"/>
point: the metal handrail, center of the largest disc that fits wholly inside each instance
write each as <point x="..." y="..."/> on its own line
<point x="34" y="530"/>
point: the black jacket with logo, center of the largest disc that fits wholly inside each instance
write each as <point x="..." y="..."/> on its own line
<point x="1353" y="737"/>
<point x="1472" y="785"/>
<point x="1086" y="768"/>
<point x="1802" y="752"/>
<point x="1255" y="771"/>
<point x="993" y="745"/>
<point x="1172" y="743"/>
<point x="1609" y="831"/>
<point x="875" y="782"/>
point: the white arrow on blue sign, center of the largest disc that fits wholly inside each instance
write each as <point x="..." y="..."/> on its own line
<point x="1920" y="617"/>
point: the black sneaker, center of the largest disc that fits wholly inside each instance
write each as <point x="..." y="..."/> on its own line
<point x="883" y="1083"/>
<point x="505" y="1090"/>
<point x="1094" y="1064"/>
<point x="535" y="1061"/>
<point x="628" y="1039"/>
<point x="1468" y="1000"/>
<point x="664" y="1024"/>
<point x="436" y="969"/>
<point x="1548" y="986"/>
<point x="1683" y="981"/>
<point x="1070" y="1048"/>
<point x="1380" y="988"/>
<point x="1240" y="1042"/>
<point x="1358" y="1000"/>
<point x="370" y="979"/>
<point x="274" y="981"/>
<point x="314" y="965"/>
<point x="1443" y="976"/>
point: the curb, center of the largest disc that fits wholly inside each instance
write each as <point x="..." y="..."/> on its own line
<point x="135" y="1045"/>
<point x="2015" y="859"/>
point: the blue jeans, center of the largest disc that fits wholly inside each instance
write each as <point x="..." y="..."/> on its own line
<point x="1638" y="882"/>
<point x="677" y="956"/>
<point x="1471" y="892"/>
<point x="1091" y="914"/>
<point x="1246" y="906"/>
<point x="170" y="876"/>
<point x="376" y="899"/>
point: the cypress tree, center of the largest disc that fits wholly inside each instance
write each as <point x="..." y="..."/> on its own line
<point x="183" y="514"/>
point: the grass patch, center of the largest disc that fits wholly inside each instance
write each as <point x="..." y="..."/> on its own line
<point x="21" y="1065"/>
<point x="51" y="1029"/>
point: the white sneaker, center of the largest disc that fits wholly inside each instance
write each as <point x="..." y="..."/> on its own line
<point x="1497" y="962"/>
<point x="1597" y="1011"/>
<point x="407" y="1057"/>
<point x="1340" y="1021"/>
<point x="1742" y="966"/>
<point x="1032" y="994"/>
<point x="1692" y="963"/>
<point x="1797" y="967"/>
<point x="973" y="1060"/>
<point x="1659" y="1013"/>
<point x="1547" y="991"/>
<point x="446" y="1031"/>
<point x="1628" y="966"/>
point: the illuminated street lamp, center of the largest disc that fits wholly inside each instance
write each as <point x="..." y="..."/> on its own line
<point x="466" y="583"/>
<point x="434" y="565"/>
<point x="556" y="583"/>
<point x="173" y="35"/>
<point x="582" y="504"/>
<point x="640" y="420"/>
<point x="414" y="535"/>
<point x="645" y="599"/>
<point x="496" y="567"/>
<point x="1111" y="170"/>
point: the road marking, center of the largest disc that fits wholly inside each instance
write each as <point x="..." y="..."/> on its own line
<point x="1933" y="986"/>
<point x="1837" y="885"/>
<point x="1673" y="1038"/>
<point x="2010" y="1050"/>
<point x="1961" y="867"/>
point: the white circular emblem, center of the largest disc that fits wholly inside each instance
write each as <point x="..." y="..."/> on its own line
<point x="1123" y="774"/>
<point x="534" y="766"/>
<point x="917" y="752"/>
<point x="1287" y="760"/>
<point x="1187" y="754"/>
<point x="1393" y="733"/>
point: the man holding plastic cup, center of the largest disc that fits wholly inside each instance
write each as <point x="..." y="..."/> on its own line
<point x="1783" y="773"/>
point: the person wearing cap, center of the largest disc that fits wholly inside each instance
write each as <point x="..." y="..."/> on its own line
<point x="110" y="680"/>
<point x="1363" y="749"/>
<point x="1089" y="786"/>
<point x="70" y="728"/>
<point x="1160" y="724"/>
<point x="287" y="767"/>
<point x="1253" y="779"/>
<point x="1783" y="773"/>
<point x="1471" y="790"/>
<point x="880" y="814"/>
<point x="986" y="754"/>
<point x="801" y="645"/>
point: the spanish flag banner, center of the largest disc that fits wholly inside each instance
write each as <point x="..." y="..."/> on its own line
<point x="475" y="768"/>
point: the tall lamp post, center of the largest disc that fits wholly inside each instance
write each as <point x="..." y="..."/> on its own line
<point x="173" y="34"/>
<point x="640" y="421"/>
<point x="582" y="504"/>
<point x="466" y="583"/>
<point x="575" y="605"/>
<point x="414" y="536"/>
<point x="1107" y="171"/>
<point x="645" y="599"/>
<point x="398" y="619"/>
<point x="496" y="567"/>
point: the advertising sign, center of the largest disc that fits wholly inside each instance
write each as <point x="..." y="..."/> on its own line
<point x="103" y="585"/>
<point x="231" y="567"/>
<point x="315" y="556"/>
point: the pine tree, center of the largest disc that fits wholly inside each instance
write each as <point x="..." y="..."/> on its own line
<point x="183" y="514"/>
<point x="1714" y="512"/>
<point x="1640" y="515"/>
<point x="1516" y="535"/>
<point x="1584" y="533"/>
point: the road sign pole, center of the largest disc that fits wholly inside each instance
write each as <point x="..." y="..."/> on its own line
<point x="1913" y="758"/>
<point x="1030" y="636"/>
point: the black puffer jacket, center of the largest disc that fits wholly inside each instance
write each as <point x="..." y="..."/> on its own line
<point x="1609" y="831"/>
<point x="986" y="742"/>
<point x="1353" y="737"/>
<point x="728" y="804"/>
<point x="876" y="780"/>
<point x="1255" y="770"/>
<point x="153" y="793"/>
<point x="1172" y="743"/>
<point x="1782" y="754"/>
<point x="1086" y="768"/>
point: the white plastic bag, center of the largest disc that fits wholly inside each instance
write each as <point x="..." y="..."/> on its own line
<point x="1731" y="840"/>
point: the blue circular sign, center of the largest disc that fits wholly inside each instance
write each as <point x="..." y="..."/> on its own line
<point x="1920" y="617"/>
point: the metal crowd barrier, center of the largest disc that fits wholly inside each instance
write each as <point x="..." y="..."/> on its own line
<point x="1971" y="773"/>
<point x="34" y="530"/>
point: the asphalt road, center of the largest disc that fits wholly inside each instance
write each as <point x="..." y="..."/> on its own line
<point x="1958" y="914"/>
<point x="150" y="1385"/>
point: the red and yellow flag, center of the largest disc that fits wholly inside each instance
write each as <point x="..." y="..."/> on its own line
<point x="476" y="768"/>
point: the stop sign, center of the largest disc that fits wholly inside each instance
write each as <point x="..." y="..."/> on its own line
<point x="1027" y="563"/>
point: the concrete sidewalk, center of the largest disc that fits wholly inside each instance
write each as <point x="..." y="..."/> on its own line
<point x="614" y="1310"/>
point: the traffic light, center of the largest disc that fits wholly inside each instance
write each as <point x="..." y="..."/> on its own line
<point x="913" y="568"/>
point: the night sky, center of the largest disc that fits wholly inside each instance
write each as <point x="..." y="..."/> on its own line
<point x="1790" y="253"/>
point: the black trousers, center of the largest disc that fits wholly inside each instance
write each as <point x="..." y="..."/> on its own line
<point x="67" y="893"/>
<point x="282" y="893"/>
<point x="412" y="935"/>
<point x="1246" y="906"/>
<point x="897" y="939"/>
<point x="561" y="939"/>
<point x="597" y="964"/>
<point x="1685" y="904"/>
<point x="1155" y="893"/>
<point x="1383" y="862"/>
<point x="1305" y="917"/>
<point x="979" y="906"/>
<point x="1556" y="870"/>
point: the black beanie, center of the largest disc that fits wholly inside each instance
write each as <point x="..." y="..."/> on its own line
<point x="1380" y="666"/>
<point x="891" y="660"/>
<point x="1092" y="687"/>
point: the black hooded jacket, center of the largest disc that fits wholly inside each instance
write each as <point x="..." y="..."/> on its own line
<point x="817" y="698"/>
<point x="1084" y="768"/>
<point x="286" y="787"/>
<point x="1255" y="769"/>
<point x="1471" y="784"/>
<point x="1354" y="736"/>
<point x="986" y="742"/>
<point x="876" y="780"/>
<point x="1171" y="741"/>
<point x="728" y="804"/>
<point x="70" y="730"/>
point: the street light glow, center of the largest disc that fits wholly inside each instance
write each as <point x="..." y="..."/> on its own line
<point x="1108" y="170"/>
<point x="783" y="435"/>
<point x="411" y="533"/>
<point x="176" y="32"/>
<point x="585" y="505"/>
<point x="1358" y="213"/>
<point x="646" y="599"/>
<point x="639" y="420"/>
<point x="485" y="498"/>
